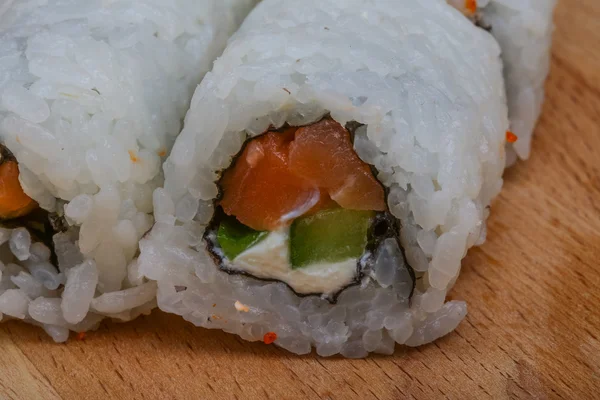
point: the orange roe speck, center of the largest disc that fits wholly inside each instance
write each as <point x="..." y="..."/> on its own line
<point x="162" y="153"/>
<point x="270" y="337"/>
<point x="132" y="156"/>
<point x="511" y="137"/>
<point x="80" y="335"/>
<point x="471" y="6"/>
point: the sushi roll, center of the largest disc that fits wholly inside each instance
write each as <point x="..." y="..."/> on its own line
<point x="334" y="168"/>
<point x="524" y="31"/>
<point x="92" y="96"/>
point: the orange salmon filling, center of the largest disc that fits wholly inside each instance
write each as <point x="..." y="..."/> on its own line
<point x="14" y="203"/>
<point x="282" y="175"/>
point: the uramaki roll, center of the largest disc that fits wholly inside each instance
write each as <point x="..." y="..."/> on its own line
<point x="334" y="168"/>
<point x="524" y="31"/>
<point x="92" y="94"/>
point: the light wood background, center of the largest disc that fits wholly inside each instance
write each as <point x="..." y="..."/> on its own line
<point x="533" y="328"/>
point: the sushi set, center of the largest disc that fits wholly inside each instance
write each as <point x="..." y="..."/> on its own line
<point x="304" y="173"/>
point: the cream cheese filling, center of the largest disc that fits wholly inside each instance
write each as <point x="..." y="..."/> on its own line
<point x="270" y="259"/>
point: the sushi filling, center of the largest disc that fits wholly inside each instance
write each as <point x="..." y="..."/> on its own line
<point x="14" y="203"/>
<point x="299" y="206"/>
<point x="18" y="210"/>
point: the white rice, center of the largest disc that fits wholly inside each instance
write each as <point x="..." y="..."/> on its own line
<point x="92" y="95"/>
<point x="428" y="86"/>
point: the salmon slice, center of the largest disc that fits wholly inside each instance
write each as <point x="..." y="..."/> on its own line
<point x="260" y="190"/>
<point x="322" y="153"/>
<point x="14" y="203"/>
<point x="280" y="176"/>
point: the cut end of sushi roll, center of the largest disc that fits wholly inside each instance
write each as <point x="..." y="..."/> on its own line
<point x="299" y="206"/>
<point x="341" y="165"/>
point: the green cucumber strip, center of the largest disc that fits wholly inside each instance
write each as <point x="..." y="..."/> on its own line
<point x="235" y="237"/>
<point x="329" y="236"/>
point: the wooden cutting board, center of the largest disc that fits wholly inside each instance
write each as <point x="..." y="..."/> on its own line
<point x="533" y="328"/>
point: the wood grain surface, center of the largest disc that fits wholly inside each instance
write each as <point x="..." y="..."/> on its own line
<point x="533" y="328"/>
